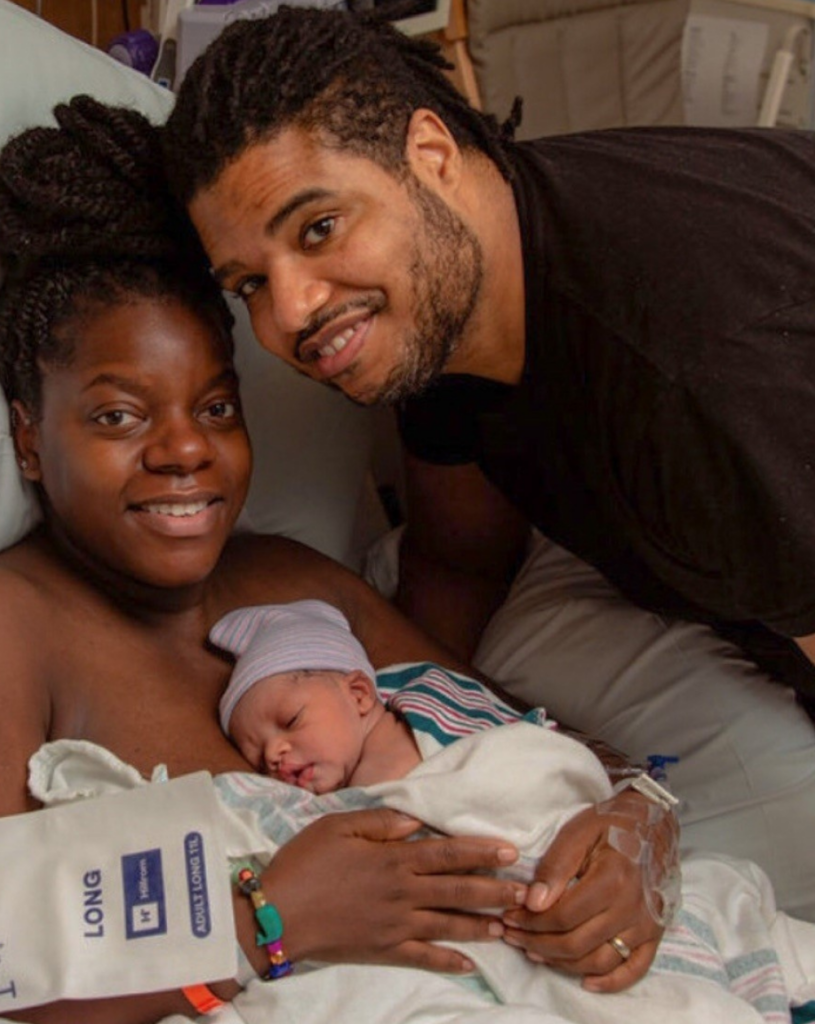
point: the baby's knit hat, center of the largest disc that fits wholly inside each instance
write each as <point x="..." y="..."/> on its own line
<point x="272" y="638"/>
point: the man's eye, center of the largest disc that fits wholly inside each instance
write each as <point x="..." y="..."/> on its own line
<point x="247" y="286"/>
<point x="318" y="231"/>
<point x="115" y="418"/>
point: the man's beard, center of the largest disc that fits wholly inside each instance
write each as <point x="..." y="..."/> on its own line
<point x="447" y="269"/>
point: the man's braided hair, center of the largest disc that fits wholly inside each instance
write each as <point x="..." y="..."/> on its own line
<point x="351" y="77"/>
<point x="87" y="222"/>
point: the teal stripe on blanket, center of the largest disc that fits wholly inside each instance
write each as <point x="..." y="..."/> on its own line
<point x="690" y="948"/>
<point x="466" y="706"/>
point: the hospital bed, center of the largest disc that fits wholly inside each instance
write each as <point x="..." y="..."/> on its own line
<point x="564" y="638"/>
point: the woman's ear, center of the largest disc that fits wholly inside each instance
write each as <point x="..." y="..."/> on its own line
<point x="26" y="435"/>
<point x="431" y="151"/>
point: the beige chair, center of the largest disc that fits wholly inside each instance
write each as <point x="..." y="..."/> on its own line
<point x="578" y="64"/>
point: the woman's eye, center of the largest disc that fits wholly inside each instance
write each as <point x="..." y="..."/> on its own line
<point x="115" y="418"/>
<point x="317" y="232"/>
<point x="247" y="286"/>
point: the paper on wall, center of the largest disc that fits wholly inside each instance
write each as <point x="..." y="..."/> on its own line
<point x="722" y="60"/>
<point x="116" y="895"/>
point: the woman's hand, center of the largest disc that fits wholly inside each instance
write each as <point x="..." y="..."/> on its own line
<point x="349" y="888"/>
<point x="612" y="873"/>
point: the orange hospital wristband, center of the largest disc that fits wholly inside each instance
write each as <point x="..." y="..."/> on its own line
<point x="202" y="998"/>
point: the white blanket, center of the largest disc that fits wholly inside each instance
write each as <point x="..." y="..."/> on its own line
<point x="729" y="956"/>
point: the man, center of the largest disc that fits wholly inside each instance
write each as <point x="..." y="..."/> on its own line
<point x="602" y="335"/>
<point x="606" y="335"/>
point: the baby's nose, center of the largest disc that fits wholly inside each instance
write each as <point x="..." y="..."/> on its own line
<point x="274" y="752"/>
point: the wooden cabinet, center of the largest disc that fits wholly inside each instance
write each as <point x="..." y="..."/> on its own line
<point x="77" y="16"/>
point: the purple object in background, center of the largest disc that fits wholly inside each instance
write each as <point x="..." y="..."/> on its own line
<point x="137" y="49"/>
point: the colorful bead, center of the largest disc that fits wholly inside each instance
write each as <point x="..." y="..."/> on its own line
<point x="270" y="932"/>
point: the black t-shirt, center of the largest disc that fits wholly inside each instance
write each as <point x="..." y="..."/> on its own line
<point x="664" y="428"/>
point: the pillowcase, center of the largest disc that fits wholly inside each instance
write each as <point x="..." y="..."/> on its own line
<point x="311" y="446"/>
<point x="41" y="66"/>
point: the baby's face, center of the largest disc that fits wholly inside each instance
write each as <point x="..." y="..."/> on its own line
<point x="304" y="728"/>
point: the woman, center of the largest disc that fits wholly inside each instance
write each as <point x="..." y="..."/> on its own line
<point x="116" y="356"/>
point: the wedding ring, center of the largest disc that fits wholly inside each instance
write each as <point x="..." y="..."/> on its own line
<point x="621" y="947"/>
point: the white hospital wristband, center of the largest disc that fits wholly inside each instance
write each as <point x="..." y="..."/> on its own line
<point x="649" y="788"/>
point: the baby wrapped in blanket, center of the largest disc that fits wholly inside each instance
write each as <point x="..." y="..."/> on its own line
<point x="475" y="767"/>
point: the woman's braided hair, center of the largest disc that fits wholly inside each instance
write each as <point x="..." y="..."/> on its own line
<point x="87" y="222"/>
<point x="351" y="77"/>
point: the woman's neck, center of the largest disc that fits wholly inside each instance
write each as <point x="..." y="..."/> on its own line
<point x="136" y="598"/>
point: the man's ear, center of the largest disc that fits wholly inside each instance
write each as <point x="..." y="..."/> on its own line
<point x="26" y="435"/>
<point x="362" y="690"/>
<point x="432" y="153"/>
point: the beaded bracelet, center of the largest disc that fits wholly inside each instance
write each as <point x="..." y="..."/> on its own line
<point x="271" y="926"/>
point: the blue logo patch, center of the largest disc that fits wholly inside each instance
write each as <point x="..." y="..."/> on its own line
<point x="200" y="920"/>
<point x="143" y="883"/>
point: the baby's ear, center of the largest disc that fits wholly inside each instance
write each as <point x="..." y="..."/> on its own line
<point x="362" y="690"/>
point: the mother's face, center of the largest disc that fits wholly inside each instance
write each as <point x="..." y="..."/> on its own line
<point x="140" y="447"/>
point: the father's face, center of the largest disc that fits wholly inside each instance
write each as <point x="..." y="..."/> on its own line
<point x="354" y="278"/>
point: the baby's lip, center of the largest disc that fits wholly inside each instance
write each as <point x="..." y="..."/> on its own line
<point x="296" y="775"/>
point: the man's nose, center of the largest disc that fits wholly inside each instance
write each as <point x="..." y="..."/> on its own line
<point x="298" y="292"/>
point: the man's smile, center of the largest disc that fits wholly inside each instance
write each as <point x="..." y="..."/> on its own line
<point x="333" y="351"/>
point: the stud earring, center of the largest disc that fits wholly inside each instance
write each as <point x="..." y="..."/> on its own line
<point x="24" y="464"/>
<point x="17" y="419"/>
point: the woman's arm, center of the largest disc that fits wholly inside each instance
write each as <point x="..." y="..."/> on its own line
<point x="350" y="890"/>
<point x="264" y="570"/>
<point x="24" y="727"/>
<point x="394" y="897"/>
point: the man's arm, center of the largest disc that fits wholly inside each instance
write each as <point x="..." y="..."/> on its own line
<point x="807" y="645"/>
<point x="462" y="547"/>
<point x="471" y="541"/>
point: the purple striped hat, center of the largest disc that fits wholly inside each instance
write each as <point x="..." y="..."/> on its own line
<point x="272" y="638"/>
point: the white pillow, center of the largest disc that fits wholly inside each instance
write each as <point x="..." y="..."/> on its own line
<point x="41" y="66"/>
<point x="312" y="447"/>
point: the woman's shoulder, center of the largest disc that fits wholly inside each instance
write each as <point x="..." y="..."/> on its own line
<point x="38" y="590"/>
<point x="27" y="636"/>
<point x="34" y="604"/>
<point x="25" y="579"/>
<point x="266" y="569"/>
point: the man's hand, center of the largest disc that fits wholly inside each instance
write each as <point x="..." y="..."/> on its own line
<point x="612" y="872"/>
<point x="349" y="888"/>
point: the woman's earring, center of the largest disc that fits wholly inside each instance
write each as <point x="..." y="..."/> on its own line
<point x="23" y="464"/>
